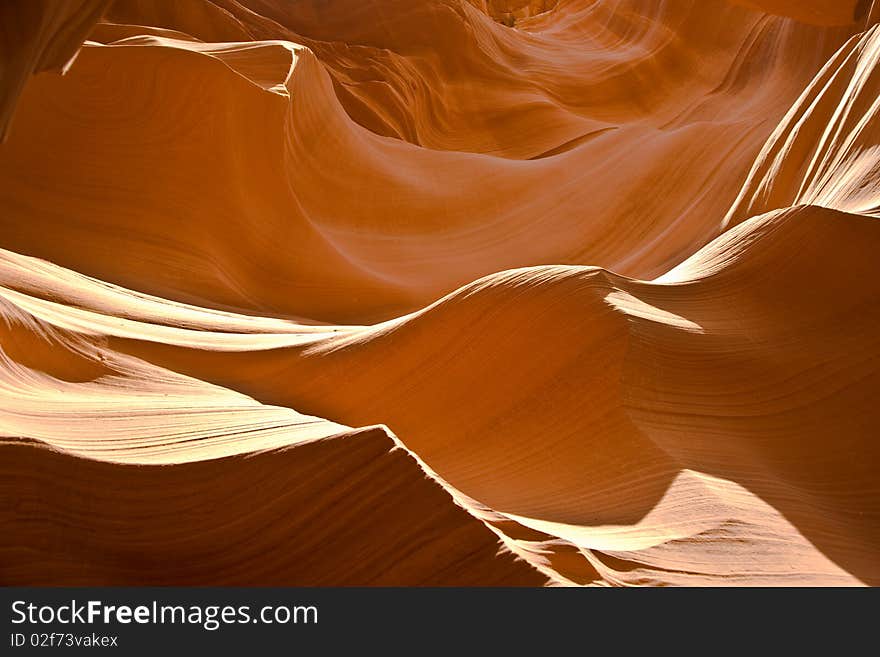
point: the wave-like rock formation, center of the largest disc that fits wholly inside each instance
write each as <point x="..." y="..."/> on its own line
<point x="456" y="292"/>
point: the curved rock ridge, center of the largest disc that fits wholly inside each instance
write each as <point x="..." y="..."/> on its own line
<point x="39" y="36"/>
<point x="448" y="293"/>
<point x="840" y="169"/>
<point x="376" y="231"/>
<point x="277" y="517"/>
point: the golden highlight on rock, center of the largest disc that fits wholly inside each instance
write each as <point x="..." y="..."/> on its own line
<point x="440" y="292"/>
